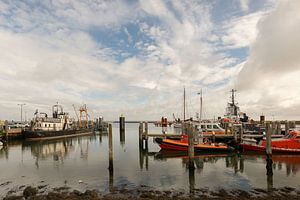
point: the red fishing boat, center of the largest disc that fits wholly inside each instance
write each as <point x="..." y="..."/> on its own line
<point x="287" y="144"/>
<point x="182" y="145"/>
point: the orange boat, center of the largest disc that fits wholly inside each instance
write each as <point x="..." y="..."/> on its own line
<point x="182" y="145"/>
<point x="288" y="144"/>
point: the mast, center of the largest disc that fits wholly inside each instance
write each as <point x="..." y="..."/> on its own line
<point x="200" y="106"/>
<point x="184" y="104"/>
<point x="233" y="103"/>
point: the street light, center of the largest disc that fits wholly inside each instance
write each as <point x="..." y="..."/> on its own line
<point x="200" y="113"/>
<point x="21" y="105"/>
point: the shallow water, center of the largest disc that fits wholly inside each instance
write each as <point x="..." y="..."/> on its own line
<point x="82" y="163"/>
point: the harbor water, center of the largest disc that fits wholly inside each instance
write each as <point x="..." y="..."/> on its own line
<point x="81" y="163"/>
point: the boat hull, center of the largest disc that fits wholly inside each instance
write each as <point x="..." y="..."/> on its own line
<point x="176" y="145"/>
<point x="260" y="148"/>
<point x="48" y="135"/>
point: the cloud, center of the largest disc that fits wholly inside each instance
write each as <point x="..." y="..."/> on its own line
<point x="131" y="57"/>
<point x="244" y="5"/>
<point x="271" y="71"/>
<point x="241" y="31"/>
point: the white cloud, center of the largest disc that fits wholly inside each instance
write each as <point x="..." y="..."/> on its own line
<point x="49" y="55"/>
<point x="241" y="31"/>
<point x="272" y="68"/>
<point x="244" y="5"/>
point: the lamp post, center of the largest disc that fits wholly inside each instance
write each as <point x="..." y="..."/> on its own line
<point x="21" y="105"/>
<point x="200" y="113"/>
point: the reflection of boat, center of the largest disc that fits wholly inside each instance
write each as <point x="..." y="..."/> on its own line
<point x="165" y="154"/>
<point x="288" y="144"/>
<point x="182" y="145"/>
<point x="57" y="126"/>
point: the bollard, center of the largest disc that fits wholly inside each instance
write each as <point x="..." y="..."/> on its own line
<point x="226" y="128"/>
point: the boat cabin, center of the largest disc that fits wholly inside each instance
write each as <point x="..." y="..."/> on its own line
<point x="211" y="127"/>
<point x="59" y="120"/>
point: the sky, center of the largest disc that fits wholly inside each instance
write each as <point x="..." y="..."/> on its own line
<point x="135" y="57"/>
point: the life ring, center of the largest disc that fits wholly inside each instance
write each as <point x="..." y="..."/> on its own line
<point x="205" y="140"/>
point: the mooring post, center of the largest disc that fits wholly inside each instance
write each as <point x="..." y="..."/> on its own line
<point x="269" y="131"/>
<point x="213" y="137"/>
<point x="234" y="132"/>
<point x="111" y="164"/>
<point x="146" y="135"/>
<point x="242" y="132"/>
<point x="286" y="126"/>
<point x="6" y="129"/>
<point x="122" y="124"/>
<point x="110" y="146"/>
<point x="269" y="161"/>
<point x="141" y="135"/>
<point x="278" y="128"/>
<point x="226" y="128"/>
<point x="191" y="152"/>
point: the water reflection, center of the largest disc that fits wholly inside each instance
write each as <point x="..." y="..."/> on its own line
<point x="3" y="152"/>
<point x="87" y="158"/>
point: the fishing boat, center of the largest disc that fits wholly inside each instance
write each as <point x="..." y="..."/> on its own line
<point x="290" y="143"/>
<point x="182" y="145"/>
<point x="60" y="125"/>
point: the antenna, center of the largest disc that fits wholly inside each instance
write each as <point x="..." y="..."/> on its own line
<point x="21" y="105"/>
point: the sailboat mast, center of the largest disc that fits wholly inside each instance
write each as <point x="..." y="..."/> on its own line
<point x="200" y="106"/>
<point x="184" y="104"/>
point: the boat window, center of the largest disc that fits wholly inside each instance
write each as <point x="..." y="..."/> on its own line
<point x="298" y="137"/>
<point x="202" y="126"/>
<point x="216" y="127"/>
<point x="209" y="126"/>
<point x="45" y="125"/>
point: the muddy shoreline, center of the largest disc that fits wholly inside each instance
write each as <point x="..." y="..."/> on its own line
<point x="144" y="192"/>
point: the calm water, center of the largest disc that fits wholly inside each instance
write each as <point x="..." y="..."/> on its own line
<point x="82" y="163"/>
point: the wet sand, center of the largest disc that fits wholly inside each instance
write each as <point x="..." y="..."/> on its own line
<point x="144" y="192"/>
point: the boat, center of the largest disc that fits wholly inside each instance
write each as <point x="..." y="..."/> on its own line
<point x="182" y="145"/>
<point x="60" y="125"/>
<point x="290" y="143"/>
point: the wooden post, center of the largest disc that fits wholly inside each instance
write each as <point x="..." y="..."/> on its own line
<point x="233" y="131"/>
<point x="122" y="124"/>
<point x="277" y="128"/>
<point x="141" y="135"/>
<point x="242" y="132"/>
<point x="268" y="138"/>
<point x="286" y="127"/>
<point x="269" y="161"/>
<point x="6" y="129"/>
<point x="110" y="146"/>
<point x="213" y="137"/>
<point x="226" y="128"/>
<point x="191" y="145"/>
<point x="146" y="135"/>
